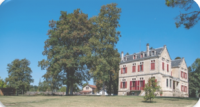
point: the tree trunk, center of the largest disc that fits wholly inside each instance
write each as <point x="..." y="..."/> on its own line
<point x="67" y="89"/>
<point x="110" y="84"/>
<point x="71" y="88"/>
<point x="17" y="92"/>
<point x="67" y="85"/>
<point x="103" y="91"/>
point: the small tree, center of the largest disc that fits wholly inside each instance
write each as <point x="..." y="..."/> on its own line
<point x="150" y="88"/>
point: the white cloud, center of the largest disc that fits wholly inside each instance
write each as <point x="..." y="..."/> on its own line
<point x="198" y="2"/>
<point x="1" y="1"/>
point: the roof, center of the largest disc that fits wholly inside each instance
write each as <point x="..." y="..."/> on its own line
<point x="85" y="91"/>
<point x="176" y="62"/>
<point x="130" y="57"/>
<point x="92" y="86"/>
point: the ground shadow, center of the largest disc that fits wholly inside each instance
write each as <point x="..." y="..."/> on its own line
<point x="149" y="101"/>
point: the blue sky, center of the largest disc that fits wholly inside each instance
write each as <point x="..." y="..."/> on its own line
<point x="24" y="25"/>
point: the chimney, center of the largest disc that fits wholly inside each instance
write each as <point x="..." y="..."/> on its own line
<point x="122" y="56"/>
<point x="147" y="49"/>
<point x="164" y="46"/>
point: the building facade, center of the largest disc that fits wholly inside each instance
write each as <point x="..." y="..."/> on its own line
<point x="88" y="90"/>
<point x="136" y="69"/>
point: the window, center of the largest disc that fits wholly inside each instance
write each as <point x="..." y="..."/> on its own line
<point x="181" y="73"/>
<point x="133" y="68"/>
<point x="141" y="83"/>
<point x="87" y="88"/>
<point x="185" y="88"/>
<point x="163" y="65"/>
<point x="167" y="82"/>
<point x="123" y="70"/>
<point x="141" y="56"/>
<point x="181" y="87"/>
<point x="133" y="56"/>
<point x="153" y="53"/>
<point x="185" y="75"/>
<point x="123" y="84"/>
<point x="152" y="64"/>
<point x="167" y="67"/>
<point x="140" y="67"/>
<point x="133" y="83"/>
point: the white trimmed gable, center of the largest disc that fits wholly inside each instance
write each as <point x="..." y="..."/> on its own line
<point x="165" y="54"/>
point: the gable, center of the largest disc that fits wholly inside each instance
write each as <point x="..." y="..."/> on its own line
<point x="165" y="54"/>
<point x="183" y="64"/>
<point x="87" y="87"/>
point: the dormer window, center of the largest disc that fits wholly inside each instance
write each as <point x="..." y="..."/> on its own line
<point x="153" y="53"/>
<point x="141" y="56"/>
<point x="134" y="57"/>
<point x="125" y="58"/>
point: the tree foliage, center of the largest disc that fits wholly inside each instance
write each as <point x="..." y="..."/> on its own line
<point x="63" y="89"/>
<point x="2" y="83"/>
<point x="84" y="85"/>
<point x="178" y="57"/>
<point x="44" y="86"/>
<point x="75" y="88"/>
<point x="66" y="50"/>
<point x="19" y="75"/>
<point x="194" y="78"/>
<point x="33" y="88"/>
<point x="186" y="19"/>
<point x="105" y="57"/>
<point x="150" y="88"/>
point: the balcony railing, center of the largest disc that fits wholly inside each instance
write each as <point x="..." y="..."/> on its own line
<point x="136" y="88"/>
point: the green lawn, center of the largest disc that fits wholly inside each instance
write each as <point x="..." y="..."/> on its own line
<point x="93" y="101"/>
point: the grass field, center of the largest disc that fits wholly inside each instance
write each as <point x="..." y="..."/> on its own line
<point x="93" y="101"/>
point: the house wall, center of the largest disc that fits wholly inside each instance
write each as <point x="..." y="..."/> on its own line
<point x="84" y="88"/>
<point x="184" y="81"/>
<point x="122" y="91"/>
<point x="146" y="68"/>
<point x="1" y="93"/>
<point x="164" y="57"/>
<point x="173" y="74"/>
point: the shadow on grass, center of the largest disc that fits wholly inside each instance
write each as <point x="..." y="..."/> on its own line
<point x="149" y="101"/>
<point x="176" y="98"/>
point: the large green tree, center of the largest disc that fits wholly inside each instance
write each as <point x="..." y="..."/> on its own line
<point x="105" y="57"/>
<point x="186" y="19"/>
<point x="19" y="75"/>
<point x="194" y="78"/>
<point x="2" y="83"/>
<point x="66" y="50"/>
